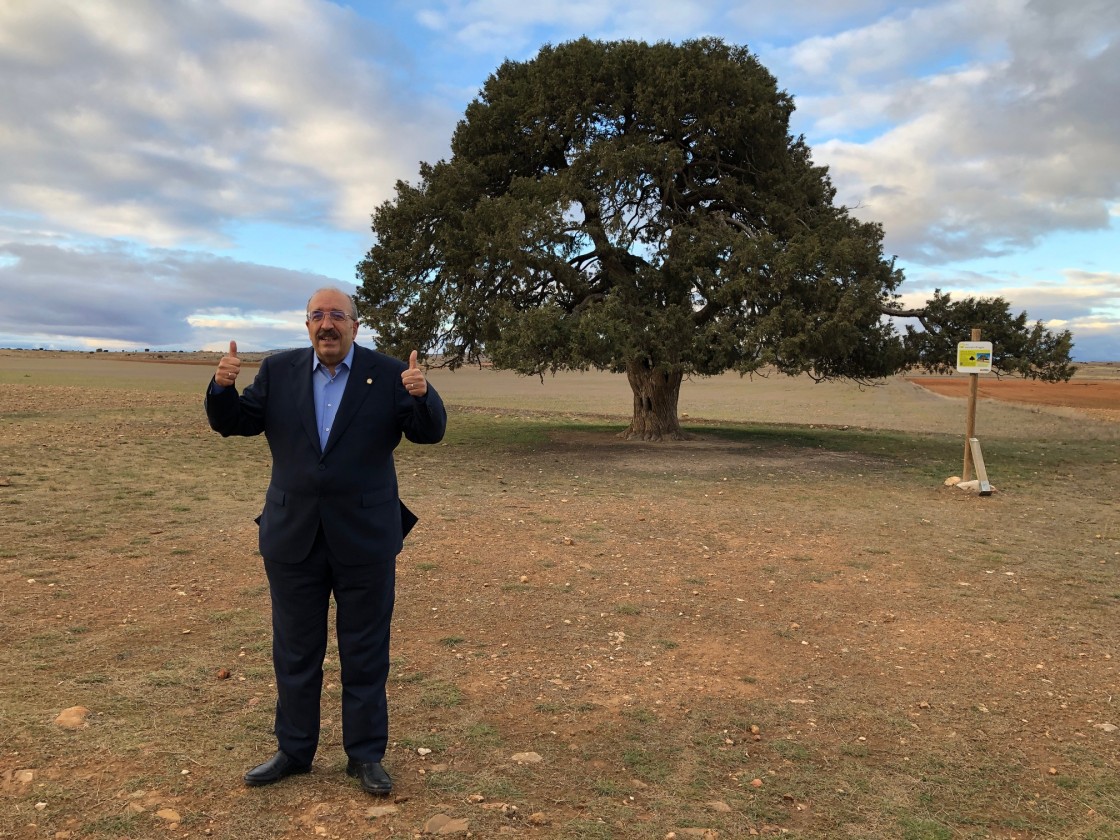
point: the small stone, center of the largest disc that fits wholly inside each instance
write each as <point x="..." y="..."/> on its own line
<point x="442" y="824"/>
<point x="223" y="674"/>
<point x="1106" y="727"/>
<point x="539" y="818"/>
<point x="952" y="480"/>
<point x="169" y="815"/>
<point x="72" y="718"/>
<point x="423" y="751"/>
<point x="381" y="811"/>
<point x="721" y="807"/>
<point x="756" y="783"/>
<point x="40" y="806"/>
<point x="526" y="758"/>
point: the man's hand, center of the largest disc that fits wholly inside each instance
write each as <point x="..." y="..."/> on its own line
<point x="228" y="367"/>
<point x="413" y="378"/>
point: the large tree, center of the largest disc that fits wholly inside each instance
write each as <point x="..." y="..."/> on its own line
<point x="642" y="209"/>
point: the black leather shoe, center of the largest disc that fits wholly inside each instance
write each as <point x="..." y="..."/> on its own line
<point x="372" y="775"/>
<point x="275" y="769"/>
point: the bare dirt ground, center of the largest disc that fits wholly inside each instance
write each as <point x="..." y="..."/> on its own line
<point x="1098" y="397"/>
<point x="785" y="628"/>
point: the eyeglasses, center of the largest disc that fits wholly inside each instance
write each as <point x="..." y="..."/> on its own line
<point x="318" y="315"/>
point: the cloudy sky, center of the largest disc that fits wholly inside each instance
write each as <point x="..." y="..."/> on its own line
<point x="177" y="173"/>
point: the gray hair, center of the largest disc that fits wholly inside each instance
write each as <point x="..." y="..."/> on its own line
<point x="349" y="297"/>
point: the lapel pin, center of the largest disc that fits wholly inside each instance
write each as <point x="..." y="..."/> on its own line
<point x="369" y="381"/>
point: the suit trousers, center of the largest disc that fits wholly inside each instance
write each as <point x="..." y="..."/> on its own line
<point x="364" y="597"/>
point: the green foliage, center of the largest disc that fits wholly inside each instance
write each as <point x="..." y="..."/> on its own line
<point x="645" y="208"/>
<point x="613" y="203"/>
<point x="1030" y="351"/>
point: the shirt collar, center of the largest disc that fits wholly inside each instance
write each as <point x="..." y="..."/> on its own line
<point x="348" y="361"/>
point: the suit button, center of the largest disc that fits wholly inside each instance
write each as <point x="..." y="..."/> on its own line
<point x="322" y="466"/>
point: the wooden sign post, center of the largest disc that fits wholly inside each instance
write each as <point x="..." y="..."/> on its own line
<point x="982" y="483"/>
<point x="973" y="357"/>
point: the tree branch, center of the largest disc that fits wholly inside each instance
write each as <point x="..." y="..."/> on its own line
<point x="920" y="314"/>
<point x="707" y="313"/>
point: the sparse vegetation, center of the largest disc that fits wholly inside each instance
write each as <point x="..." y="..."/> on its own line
<point x="885" y="656"/>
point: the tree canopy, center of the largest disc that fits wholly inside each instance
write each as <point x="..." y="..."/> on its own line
<point x="644" y="209"/>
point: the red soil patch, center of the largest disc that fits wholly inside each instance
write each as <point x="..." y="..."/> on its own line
<point x="1100" y="398"/>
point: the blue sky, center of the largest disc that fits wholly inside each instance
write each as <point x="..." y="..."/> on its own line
<point x="177" y="174"/>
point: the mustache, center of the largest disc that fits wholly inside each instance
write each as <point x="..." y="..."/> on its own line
<point x="327" y="333"/>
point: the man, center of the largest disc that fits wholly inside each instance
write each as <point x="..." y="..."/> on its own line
<point x="332" y="522"/>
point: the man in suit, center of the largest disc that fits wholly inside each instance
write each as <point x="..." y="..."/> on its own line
<point x="332" y="522"/>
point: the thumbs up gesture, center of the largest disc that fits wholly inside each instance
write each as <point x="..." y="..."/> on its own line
<point x="228" y="367"/>
<point x="413" y="378"/>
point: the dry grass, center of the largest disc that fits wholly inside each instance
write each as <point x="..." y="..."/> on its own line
<point x="918" y="662"/>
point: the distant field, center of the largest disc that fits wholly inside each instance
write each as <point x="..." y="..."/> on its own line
<point x="895" y="403"/>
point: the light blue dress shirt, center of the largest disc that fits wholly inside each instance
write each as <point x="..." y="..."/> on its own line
<point x="328" y="392"/>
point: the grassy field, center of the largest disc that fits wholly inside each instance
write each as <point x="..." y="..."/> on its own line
<point x="785" y="626"/>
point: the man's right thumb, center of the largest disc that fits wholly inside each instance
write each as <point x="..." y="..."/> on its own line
<point x="233" y="348"/>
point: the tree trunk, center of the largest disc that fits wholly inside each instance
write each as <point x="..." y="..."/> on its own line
<point x="655" y="403"/>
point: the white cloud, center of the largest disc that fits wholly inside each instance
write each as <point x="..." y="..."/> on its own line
<point x="988" y="155"/>
<point x="160" y="121"/>
<point x="911" y="39"/>
<point x="158" y="298"/>
<point x="516" y="29"/>
<point x="965" y="128"/>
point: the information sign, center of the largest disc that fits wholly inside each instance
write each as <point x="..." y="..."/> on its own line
<point x="974" y="357"/>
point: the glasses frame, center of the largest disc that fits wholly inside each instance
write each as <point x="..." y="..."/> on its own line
<point x="328" y="314"/>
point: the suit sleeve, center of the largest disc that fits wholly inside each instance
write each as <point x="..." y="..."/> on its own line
<point x="424" y="419"/>
<point x="230" y="413"/>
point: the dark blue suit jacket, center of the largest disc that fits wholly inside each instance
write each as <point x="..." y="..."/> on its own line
<point x="351" y="485"/>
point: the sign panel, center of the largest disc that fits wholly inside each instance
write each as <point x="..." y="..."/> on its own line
<point x="974" y="357"/>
